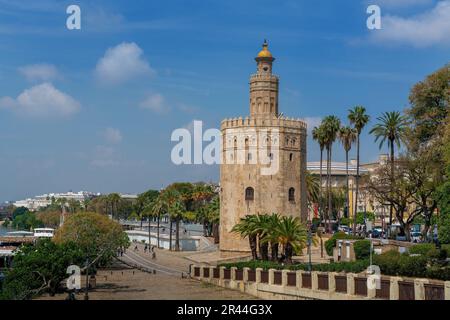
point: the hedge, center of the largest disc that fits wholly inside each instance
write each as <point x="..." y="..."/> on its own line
<point x="362" y="249"/>
<point x="391" y="263"/>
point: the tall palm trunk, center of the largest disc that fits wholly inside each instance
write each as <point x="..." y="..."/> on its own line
<point x="355" y="212"/>
<point x="263" y="250"/>
<point x="347" y="204"/>
<point x="327" y="217"/>
<point x="252" y="241"/>
<point x="274" y="251"/>
<point x="391" y="207"/>
<point x="321" y="187"/>
<point x="170" y="233"/>
<point x="288" y="252"/>
<point x="329" y="194"/>
<point x="177" y="234"/>
<point x="157" y="231"/>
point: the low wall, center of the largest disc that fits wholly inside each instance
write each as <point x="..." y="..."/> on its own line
<point x="186" y="244"/>
<point x="303" y="285"/>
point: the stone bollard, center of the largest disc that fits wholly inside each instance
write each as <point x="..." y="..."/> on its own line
<point x="332" y="282"/>
<point x="447" y="290"/>
<point x="298" y="279"/>
<point x="245" y="274"/>
<point x="394" y="288"/>
<point x="258" y="275"/>
<point x="284" y="278"/>
<point x="351" y="284"/>
<point x="271" y="276"/>
<point x="419" y="289"/>
<point x="233" y="273"/>
<point x="314" y="280"/>
<point x="211" y="273"/>
<point x="202" y="271"/>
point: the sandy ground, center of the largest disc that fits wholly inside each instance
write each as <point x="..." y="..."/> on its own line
<point x="130" y="284"/>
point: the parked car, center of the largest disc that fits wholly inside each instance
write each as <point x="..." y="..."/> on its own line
<point x="345" y="229"/>
<point x="416" y="237"/>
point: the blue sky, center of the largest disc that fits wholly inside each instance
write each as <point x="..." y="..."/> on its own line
<point x="93" y="109"/>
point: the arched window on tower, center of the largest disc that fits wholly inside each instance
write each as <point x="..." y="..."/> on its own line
<point x="291" y="195"/>
<point x="249" y="194"/>
<point x="291" y="156"/>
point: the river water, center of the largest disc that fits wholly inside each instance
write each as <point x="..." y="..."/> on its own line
<point x="4" y="230"/>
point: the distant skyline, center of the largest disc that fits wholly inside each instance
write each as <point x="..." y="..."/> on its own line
<point x="93" y="109"/>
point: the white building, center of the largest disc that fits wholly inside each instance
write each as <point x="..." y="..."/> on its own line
<point x="45" y="200"/>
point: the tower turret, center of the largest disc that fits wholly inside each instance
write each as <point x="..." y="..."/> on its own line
<point x="264" y="86"/>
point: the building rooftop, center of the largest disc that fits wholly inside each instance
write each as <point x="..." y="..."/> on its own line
<point x="337" y="168"/>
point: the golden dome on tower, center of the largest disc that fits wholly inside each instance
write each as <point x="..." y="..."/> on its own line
<point x="265" y="53"/>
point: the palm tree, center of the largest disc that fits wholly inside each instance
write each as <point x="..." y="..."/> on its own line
<point x="318" y="134"/>
<point x="271" y="235"/>
<point x="347" y="136"/>
<point x="158" y="208"/>
<point x="292" y="235"/>
<point x="391" y="127"/>
<point x="331" y="125"/>
<point x="312" y="188"/>
<point x="262" y="229"/>
<point x="213" y="217"/>
<point x="114" y="199"/>
<point x="358" y="118"/>
<point x="172" y="199"/>
<point x="246" y="229"/>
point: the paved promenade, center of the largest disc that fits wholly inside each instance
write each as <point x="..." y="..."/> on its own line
<point x="124" y="283"/>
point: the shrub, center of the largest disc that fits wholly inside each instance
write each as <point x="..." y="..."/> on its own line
<point x="436" y="272"/>
<point x="393" y="263"/>
<point x="388" y="262"/>
<point x="362" y="249"/>
<point x="422" y="248"/>
<point x="430" y="251"/>
<point x="412" y="266"/>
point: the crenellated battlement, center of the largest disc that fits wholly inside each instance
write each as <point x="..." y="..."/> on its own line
<point x="263" y="122"/>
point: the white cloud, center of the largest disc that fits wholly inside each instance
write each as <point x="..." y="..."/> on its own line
<point x="156" y="103"/>
<point x="122" y="63"/>
<point x="37" y="72"/>
<point x="41" y="101"/>
<point x="429" y="28"/>
<point x="112" y="135"/>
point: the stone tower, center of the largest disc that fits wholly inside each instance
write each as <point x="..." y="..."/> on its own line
<point x="263" y="159"/>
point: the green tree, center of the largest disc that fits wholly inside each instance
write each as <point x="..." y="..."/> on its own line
<point x="312" y="188"/>
<point x="39" y="268"/>
<point x="331" y="125"/>
<point x="429" y="100"/>
<point x="359" y="119"/>
<point x="95" y="234"/>
<point x="292" y="236"/>
<point x="113" y="200"/>
<point x="391" y="128"/>
<point x="347" y="136"/>
<point x="246" y="228"/>
<point x="318" y="134"/>
<point x="271" y="235"/>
